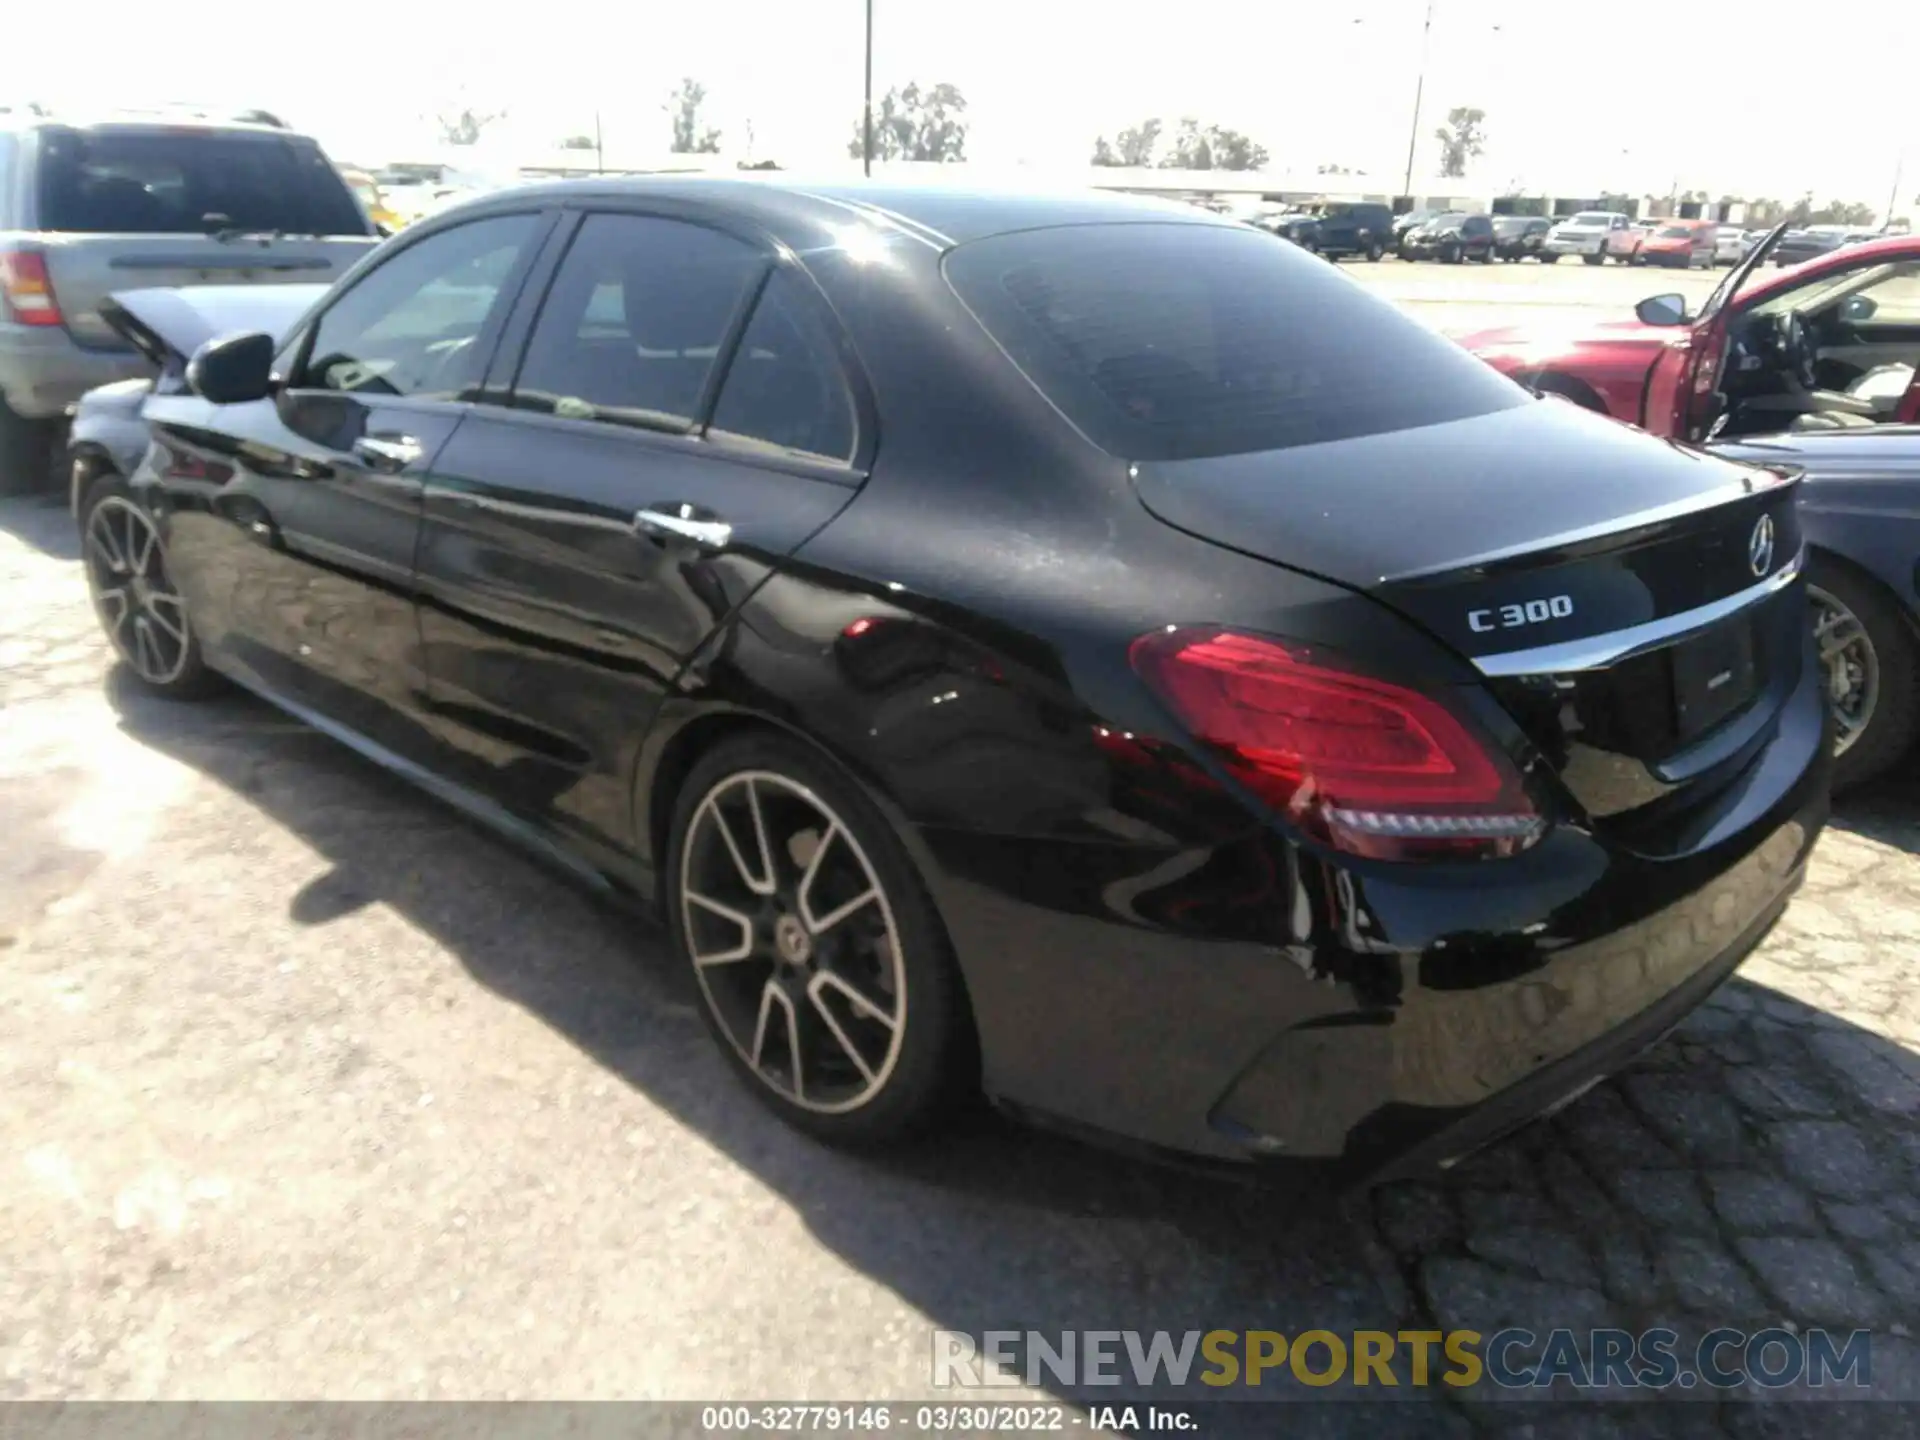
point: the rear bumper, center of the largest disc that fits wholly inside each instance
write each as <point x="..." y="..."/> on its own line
<point x="43" y="373"/>
<point x="1415" y="1017"/>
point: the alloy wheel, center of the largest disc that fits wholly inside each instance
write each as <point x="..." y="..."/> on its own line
<point x="1852" y="667"/>
<point x="793" y="941"/>
<point x="140" y="610"/>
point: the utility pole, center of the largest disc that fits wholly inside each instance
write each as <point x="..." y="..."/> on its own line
<point x="1893" y="196"/>
<point x="1419" y="93"/>
<point x="866" y="145"/>
<point x="599" y="149"/>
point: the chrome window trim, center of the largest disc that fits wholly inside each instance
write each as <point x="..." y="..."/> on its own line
<point x="1598" y="651"/>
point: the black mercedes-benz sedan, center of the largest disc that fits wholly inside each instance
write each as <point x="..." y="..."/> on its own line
<point x="1073" y="647"/>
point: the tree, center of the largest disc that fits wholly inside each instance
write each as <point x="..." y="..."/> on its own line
<point x="578" y="142"/>
<point x="912" y="124"/>
<point x="690" y="137"/>
<point x="1462" y="138"/>
<point x="1132" y="147"/>
<point x="755" y="165"/>
<point x="1212" y="147"/>
<point x="463" y="126"/>
<point x="1844" y="212"/>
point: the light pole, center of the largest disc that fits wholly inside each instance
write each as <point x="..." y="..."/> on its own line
<point x="866" y="143"/>
<point x="1419" y="92"/>
<point x="1893" y="196"/>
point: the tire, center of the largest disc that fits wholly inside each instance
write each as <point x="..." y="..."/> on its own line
<point x="1576" y="391"/>
<point x="871" y="1083"/>
<point x="147" y="625"/>
<point x="1598" y="258"/>
<point x="26" y="452"/>
<point x="1450" y="253"/>
<point x="1375" y="251"/>
<point x="1546" y="259"/>
<point x="1884" y="671"/>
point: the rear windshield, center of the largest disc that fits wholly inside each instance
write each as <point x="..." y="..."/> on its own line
<point x="1591" y="220"/>
<point x="146" y="182"/>
<point x="1676" y="232"/>
<point x="1181" y="341"/>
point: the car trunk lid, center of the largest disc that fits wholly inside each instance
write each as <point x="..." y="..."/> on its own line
<point x="86" y="269"/>
<point x="1616" y="595"/>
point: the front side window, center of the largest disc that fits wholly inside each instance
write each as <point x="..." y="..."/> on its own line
<point x="632" y="326"/>
<point x="412" y="325"/>
<point x="1181" y="341"/>
<point x="786" y="388"/>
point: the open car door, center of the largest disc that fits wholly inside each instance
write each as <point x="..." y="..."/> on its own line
<point x="1681" y="399"/>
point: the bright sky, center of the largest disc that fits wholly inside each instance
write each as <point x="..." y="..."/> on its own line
<point x="1577" y="95"/>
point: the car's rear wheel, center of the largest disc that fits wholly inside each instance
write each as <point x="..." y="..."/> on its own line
<point x="1599" y="257"/>
<point x="1450" y="253"/>
<point x="26" y="452"/>
<point x="1375" y="251"/>
<point x="823" y="970"/>
<point x="1546" y="259"/>
<point x="1872" y="668"/>
<point x="141" y="611"/>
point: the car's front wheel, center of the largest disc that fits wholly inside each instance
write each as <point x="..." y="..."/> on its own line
<point x="1376" y="250"/>
<point x="1872" y="669"/>
<point x="1549" y="259"/>
<point x="823" y="969"/>
<point x="1599" y="257"/>
<point x="141" y="611"/>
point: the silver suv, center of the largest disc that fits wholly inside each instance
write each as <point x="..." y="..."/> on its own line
<point x="87" y="208"/>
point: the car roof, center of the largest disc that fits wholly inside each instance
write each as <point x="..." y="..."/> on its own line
<point x="944" y="214"/>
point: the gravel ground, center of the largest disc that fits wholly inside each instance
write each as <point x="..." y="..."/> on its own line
<point x="316" y="1091"/>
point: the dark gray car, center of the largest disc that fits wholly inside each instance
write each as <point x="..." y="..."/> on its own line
<point x="89" y="207"/>
<point x="1860" y="510"/>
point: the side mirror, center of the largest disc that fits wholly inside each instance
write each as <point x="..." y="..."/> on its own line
<point x="1662" y="310"/>
<point x="1858" y="308"/>
<point x="232" y="369"/>
<point x="385" y="232"/>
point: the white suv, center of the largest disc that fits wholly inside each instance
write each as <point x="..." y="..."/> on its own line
<point x="1584" y="235"/>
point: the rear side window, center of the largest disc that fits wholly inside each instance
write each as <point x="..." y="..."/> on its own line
<point x="184" y="182"/>
<point x="1181" y="341"/>
<point x="634" y="320"/>
<point x="7" y="221"/>
<point x="786" y="389"/>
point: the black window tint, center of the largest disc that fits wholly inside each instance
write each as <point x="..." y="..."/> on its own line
<point x="1179" y="341"/>
<point x="634" y="320"/>
<point x="786" y="387"/>
<point x="410" y="326"/>
<point x="127" y="182"/>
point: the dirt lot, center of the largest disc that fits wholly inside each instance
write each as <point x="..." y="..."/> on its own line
<point x="314" y="1090"/>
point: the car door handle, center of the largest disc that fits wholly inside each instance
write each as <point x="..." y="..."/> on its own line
<point x="684" y="522"/>
<point x="391" y="453"/>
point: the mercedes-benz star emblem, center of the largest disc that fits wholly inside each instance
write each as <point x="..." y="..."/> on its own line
<point x="1760" y="547"/>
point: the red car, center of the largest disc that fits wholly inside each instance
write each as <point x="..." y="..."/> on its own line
<point x="1831" y="344"/>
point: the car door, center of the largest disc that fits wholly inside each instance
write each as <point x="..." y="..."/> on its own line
<point x="295" y="517"/>
<point x="1678" y="399"/>
<point x="685" y="415"/>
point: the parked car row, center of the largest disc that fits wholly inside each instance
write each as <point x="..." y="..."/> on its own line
<point x="685" y="530"/>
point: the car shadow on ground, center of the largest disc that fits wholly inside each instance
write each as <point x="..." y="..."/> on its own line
<point x="42" y="521"/>
<point x="1744" y="1170"/>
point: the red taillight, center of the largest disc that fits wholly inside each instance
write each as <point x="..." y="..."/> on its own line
<point x="1370" y="767"/>
<point x="25" y="290"/>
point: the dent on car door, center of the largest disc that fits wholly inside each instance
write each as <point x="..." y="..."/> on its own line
<point x="293" y="518"/>
<point x="684" y="418"/>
